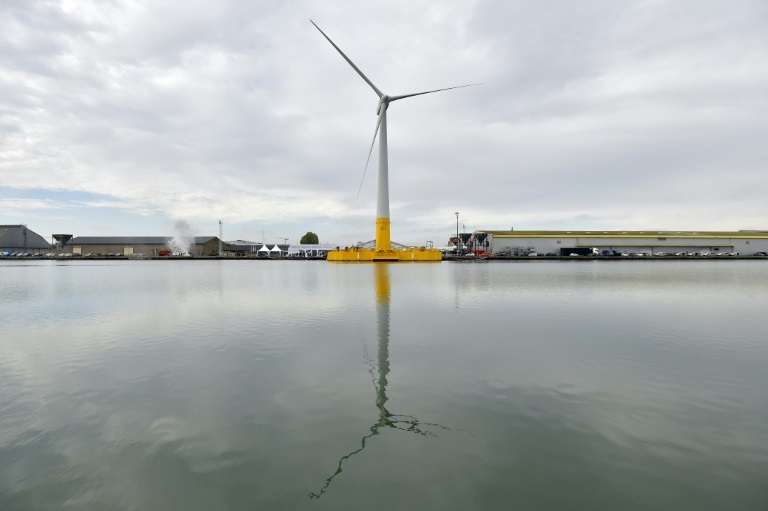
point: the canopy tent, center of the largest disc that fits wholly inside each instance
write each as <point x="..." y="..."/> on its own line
<point x="276" y="250"/>
<point x="263" y="250"/>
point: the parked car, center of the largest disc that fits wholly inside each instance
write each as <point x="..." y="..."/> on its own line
<point x="761" y="253"/>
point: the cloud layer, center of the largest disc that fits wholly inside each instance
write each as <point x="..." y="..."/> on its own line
<point x="597" y="114"/>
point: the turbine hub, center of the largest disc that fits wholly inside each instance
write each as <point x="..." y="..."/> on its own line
<point x="383" y="102"/>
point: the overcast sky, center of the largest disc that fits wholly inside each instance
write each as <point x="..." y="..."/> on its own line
<point x="120" y="117"/>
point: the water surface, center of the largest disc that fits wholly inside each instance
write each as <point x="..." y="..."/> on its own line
<point x="306" y="385"/>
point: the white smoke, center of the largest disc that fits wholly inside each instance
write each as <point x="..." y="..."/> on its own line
<point x="183" y="238"/>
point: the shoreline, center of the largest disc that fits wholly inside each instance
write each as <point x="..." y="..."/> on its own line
<point x="445" y="259"/>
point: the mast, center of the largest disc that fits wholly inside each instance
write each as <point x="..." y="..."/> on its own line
<point x="382" y="206"/>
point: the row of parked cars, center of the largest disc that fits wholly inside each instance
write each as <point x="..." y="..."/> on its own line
<point x="99" y="254"/>
<point x="50" y="254"/>
<point x="7" y="253"/>
<point x="695" y="253"/>
<point x="699" y="253"/>
<point x="702" y="253"/>
<point x="614" y="253"/>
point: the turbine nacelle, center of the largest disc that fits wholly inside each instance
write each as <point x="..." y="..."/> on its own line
<point x="384" y="100"/>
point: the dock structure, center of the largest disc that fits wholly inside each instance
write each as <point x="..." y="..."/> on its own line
<point x="367" y="255"/>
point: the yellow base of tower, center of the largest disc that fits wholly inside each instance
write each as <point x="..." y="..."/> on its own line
<point x="369" y="255"/>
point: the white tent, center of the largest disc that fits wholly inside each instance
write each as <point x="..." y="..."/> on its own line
<point x="263" y="250"/>
<point x="275" y="251"/>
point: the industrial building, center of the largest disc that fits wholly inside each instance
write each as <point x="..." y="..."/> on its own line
<point x="139" y="246"/>
<point x="15" y="239"/>
<point x="617" y="243"/>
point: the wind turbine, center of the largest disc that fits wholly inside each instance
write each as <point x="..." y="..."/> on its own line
<point x="383" y="251"/>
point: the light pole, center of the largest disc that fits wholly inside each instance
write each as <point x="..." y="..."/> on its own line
<point x="221" y="235"/>
<point x="458" y="240"/>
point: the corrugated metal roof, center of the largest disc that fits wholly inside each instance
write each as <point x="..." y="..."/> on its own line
<point x="18" y="236"/>
<point x="132" y="240"/>
<point x="746" y="234"/>
<point x="243" y="243"/>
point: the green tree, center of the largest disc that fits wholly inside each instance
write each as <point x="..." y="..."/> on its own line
<point x="309" y="239"/>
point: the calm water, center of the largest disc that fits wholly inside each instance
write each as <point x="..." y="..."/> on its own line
<point x="285" y="385"/>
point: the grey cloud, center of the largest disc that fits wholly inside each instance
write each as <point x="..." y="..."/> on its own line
<point x="592" y="114"/>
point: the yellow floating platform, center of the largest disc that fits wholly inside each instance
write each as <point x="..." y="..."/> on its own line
<point x="369" y="255"/>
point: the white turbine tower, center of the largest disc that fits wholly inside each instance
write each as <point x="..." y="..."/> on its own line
<point x="383" y="246"/>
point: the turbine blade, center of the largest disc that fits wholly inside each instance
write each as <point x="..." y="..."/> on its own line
<point x="349" y="61"/>
<point x="370" y="152"/>
<point x="403" y="96"/>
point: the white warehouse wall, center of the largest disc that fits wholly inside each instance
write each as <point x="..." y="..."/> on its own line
<point x="544" y="245"/>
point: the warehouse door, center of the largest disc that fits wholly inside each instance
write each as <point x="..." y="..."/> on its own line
<point x="127" y="251"/>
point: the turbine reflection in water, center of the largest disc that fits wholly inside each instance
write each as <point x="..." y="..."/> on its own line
<point x="379" y="373"/>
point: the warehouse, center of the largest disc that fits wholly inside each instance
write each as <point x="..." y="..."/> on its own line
<point x="566" y="243"/>
<point x="140" y="246"/>
<point x="17" y="239"/>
